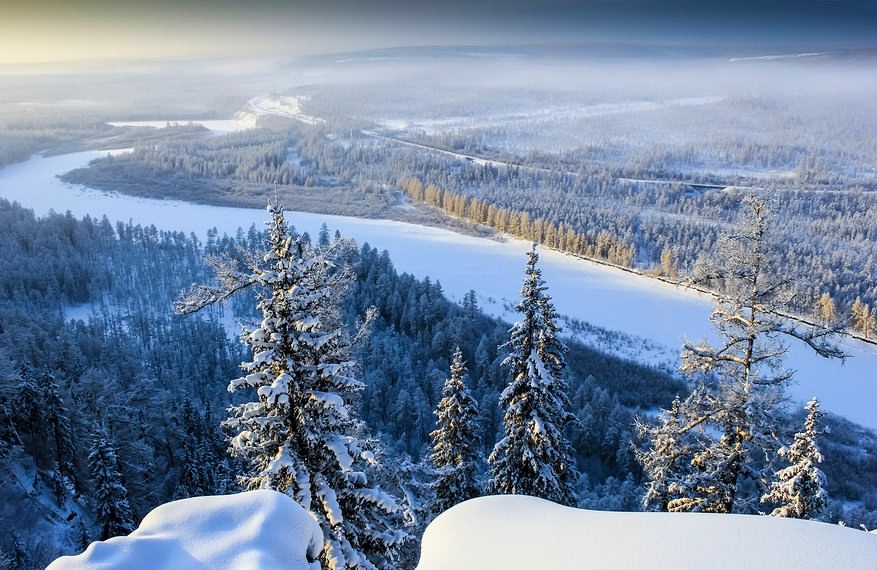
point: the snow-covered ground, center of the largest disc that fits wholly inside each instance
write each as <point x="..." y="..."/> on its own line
<point x="246" y="118"/>
<point x="554" y="113"/>
<point x="277" y="105"/>
<point x="603" y="296"/>
<point x="264" y="530"/>
<point x="217" y="126"/>
<point x="515" y="532"/>
<point x="256" y="530"/>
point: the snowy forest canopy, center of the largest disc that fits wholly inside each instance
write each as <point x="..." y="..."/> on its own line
<point x="95" y="365"/>
<point x="651" y="208"/>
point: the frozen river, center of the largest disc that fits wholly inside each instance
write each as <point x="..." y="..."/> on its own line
<point x="659" y="313"/>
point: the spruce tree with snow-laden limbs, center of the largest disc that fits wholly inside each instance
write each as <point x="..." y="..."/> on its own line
<point x="730" y="414"/>
<point x="799" y="489"/>
<point x="300" y="435"/>
<point x="455" y="441"/>
<point x="110" y="495"/>
<point x="535" y="458"/>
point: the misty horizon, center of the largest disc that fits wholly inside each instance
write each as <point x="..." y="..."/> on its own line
<point x="98" y="31"/>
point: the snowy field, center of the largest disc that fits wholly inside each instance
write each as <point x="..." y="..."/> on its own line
<point x="605" y="297"/>
<point x="515" y="532"/>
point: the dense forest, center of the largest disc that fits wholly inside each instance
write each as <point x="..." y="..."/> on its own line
<point x="649" y="209"/>
<point x="108" y="398"/>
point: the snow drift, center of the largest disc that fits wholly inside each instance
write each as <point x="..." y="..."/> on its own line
<point x="517" y="532"/>
<point x="254" y="530"/>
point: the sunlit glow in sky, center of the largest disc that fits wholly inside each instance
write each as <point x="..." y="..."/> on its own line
<point x="64" y="31"/>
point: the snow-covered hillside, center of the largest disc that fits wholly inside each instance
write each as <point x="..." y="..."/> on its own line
<point x="658" y="313"/>
<point x="515" y="532"/>
<point x="256" y="530"/>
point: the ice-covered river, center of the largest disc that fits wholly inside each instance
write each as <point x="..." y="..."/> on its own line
<point x="602" y="296"/>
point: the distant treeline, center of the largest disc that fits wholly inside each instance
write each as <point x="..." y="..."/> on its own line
<point x="655" y="219"/>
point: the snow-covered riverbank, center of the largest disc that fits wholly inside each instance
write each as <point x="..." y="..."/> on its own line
<point x="602" y="296"/>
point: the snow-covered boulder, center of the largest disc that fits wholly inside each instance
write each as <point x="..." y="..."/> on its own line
<point x="513" y="532"/>
<point x="256" y="530"/>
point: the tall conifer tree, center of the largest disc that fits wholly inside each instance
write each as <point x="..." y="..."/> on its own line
<point x="534" y="458"/>
<point x="300" y="435"/>
<point x="110" y="495"/>
<point x="799" y="489"/>
<point x="455" y="441"/>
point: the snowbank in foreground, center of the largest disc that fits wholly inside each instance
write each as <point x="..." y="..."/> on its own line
<point x="254" y="530"/>
<point x="517" y="532"/>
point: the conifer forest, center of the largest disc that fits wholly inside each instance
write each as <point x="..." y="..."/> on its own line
<point x="140" y="364"/>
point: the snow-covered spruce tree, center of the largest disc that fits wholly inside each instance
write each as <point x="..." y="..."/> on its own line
<point x="799" y="489"/>
<point x="667" y="464"/>
<point x="455" y="442"/>
<point x="300" y="435"/>
<point x="534" y="458"/>
<point x="109" y="493"/>
<point x="729" y="419"/>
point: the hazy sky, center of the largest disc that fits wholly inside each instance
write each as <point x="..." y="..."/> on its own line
<point x="56" y="31"/>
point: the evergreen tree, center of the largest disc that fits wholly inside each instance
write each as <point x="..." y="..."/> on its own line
<point x="534" y="458"/>
<point x="456" y="441"/>
<point x="666" y="465"/>
<point x="300" y="435"/>
<point x="323" y="236"/>
<point x="799" y="489"/>
<point x="56" y="422"/>
<point x="110" y="495"/>
<point x="731" y="412"/>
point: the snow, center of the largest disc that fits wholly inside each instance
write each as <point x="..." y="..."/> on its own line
<point x="517" y="532"/>
<point x="217" y="126"/>
<point x="262" y="530"/>
<point x="566" y="112"/>
<point x="253" y="530"/>
<point x="659" y="313"/>
<point x="246" y="118"/>
<point x="277" y="105"/>
<point x="338" y="446"/>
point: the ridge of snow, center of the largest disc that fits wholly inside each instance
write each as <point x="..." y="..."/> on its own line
<point x="515" y="532"/>
<point x="262" y="530"/>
